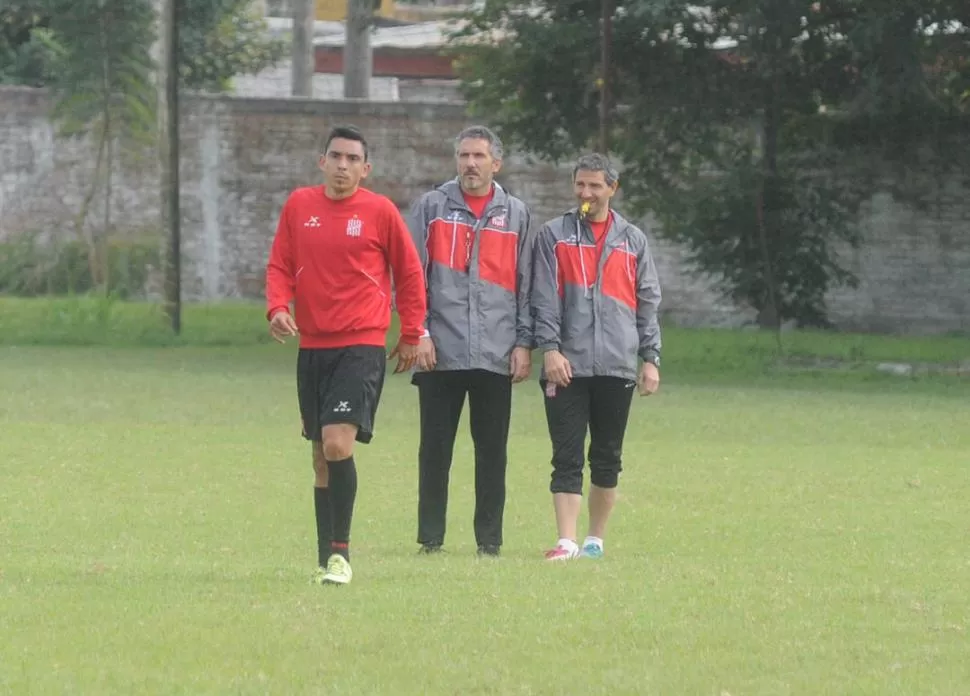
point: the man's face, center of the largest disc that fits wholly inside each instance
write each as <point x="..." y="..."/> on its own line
<point x="591" y="187"/>
<point x="476" y="166"/>
<point x="343" y="165"/>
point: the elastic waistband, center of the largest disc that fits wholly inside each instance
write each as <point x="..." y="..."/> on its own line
<point x="368" y="337"/>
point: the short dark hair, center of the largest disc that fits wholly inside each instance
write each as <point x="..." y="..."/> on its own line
<point x="346" y="133"/>
<point x="595" y="162"/>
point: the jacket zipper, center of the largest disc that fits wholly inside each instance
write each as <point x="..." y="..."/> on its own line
<point x="601" y="264"/>
<point x="582" y="256"/>
<point x="454" y="237"/>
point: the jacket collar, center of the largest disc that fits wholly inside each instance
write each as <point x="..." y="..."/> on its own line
<point x="452" y="190"/>
<point x="619" y="226"/>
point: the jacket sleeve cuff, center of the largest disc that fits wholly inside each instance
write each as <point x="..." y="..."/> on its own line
<point x="411" y="339"/>
<point x="276" y="310"/>
<point x="545" y="347"/>
<point x="648" y="353"/>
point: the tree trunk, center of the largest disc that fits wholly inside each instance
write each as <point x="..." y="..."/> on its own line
<point x="358" y="57"/>
<point x="85" y="210"/>
<point x="303" y="59"/>
<point x="769" y="316"/>
<point x="605" y="63"/>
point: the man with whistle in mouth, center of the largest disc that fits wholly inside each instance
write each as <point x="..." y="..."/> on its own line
<point x="595" y="295"/>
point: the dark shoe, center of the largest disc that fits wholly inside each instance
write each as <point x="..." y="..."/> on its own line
<point x="488" y="550"/>
<point x="430" y="548"/>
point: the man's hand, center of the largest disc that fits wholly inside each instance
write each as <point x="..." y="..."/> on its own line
<point x="407" y="354"/>
<point x="520" y="365"/>
<point x="427" y="357"/>
<point x="649" y="380"/>
<point x="558" y="369"/>
<point x="282" y="325"/>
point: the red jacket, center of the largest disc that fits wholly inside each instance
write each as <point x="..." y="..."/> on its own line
<point x="333" y="259"/>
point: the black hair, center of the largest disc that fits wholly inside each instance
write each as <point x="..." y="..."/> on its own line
<point x="346" y="133"/>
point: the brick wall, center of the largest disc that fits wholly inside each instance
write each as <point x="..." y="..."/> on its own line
<point x="241" y="157"/>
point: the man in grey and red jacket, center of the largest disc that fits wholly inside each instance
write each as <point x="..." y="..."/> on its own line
<point x="595" y="295"/>
<point x="475" y="243"/>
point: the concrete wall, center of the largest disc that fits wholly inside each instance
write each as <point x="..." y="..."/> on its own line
<point x="241" y="157"/>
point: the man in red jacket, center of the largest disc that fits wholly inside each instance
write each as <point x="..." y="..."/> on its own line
<point x="332" y="257"/>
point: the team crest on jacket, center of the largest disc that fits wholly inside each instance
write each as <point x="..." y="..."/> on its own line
<point x="497" y="221"/>
<point x="354" y="226"/>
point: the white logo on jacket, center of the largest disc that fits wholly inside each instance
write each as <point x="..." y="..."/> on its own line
<point x="354" y="227"/>
<point x="497" y="221"/>
<point x="314" y="221"/>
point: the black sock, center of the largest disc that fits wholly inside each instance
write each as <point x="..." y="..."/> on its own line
<point x="343" y="484"/>
<point x="321" y="505"/>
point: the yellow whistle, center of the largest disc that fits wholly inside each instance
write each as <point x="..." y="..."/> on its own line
<point x="584" y="210"/>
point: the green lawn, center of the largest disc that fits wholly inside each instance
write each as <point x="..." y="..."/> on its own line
<point x="777" y="533"/>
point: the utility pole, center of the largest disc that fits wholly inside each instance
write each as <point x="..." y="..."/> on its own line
<point x="168" y="151"/>
<point x="606" y="46"/>
<point x="358" y="58"/>
<point x="303" y="58"/>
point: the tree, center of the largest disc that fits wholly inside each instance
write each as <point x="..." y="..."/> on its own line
<point x="217" y="40"/>
<point x="26" y="55"/>
<point x="103" y="89"/>
<point x="716" y="114"/>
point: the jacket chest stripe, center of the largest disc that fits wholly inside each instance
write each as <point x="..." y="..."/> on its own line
<point x="497" y="250"/>
<point x="443" y="242"/>
<point x="618" y="279"/>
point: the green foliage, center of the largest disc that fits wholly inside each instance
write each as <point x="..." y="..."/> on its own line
<point x="26" y="53"/>
<point x="103" y="89"/>
<point x="722" y="117"/>
<point x="30" y="269"/>
<point x="222" y="38"/>
<point x="104" y="67"/>
<point x="217" y="39"/>
<point x="720" y="232"/>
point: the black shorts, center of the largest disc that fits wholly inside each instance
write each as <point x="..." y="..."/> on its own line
<point x="340" y="385"/>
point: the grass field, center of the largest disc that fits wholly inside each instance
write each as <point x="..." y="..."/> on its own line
<point x="778" y="532"/>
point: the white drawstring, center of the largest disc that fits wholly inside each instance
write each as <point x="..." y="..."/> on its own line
<point x="454" y="238"/>
<point x="582" y="256"/>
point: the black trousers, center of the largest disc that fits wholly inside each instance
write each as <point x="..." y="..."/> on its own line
<point x="442" y="397"/>
<point x="601" y="404"/>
